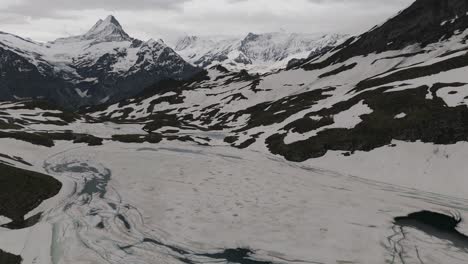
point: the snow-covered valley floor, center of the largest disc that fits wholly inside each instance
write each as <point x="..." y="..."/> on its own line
<point x="181" y="203"/>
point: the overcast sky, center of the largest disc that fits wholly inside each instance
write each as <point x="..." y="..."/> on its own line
<point x="45" y="20"/>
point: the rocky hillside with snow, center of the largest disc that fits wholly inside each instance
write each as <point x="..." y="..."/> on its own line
<point x="103" y="65"/>
<point x="256" y="52"/>
<point x="403" y="80"/>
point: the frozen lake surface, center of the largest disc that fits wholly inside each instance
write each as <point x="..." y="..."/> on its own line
<point x="181" y="203"/>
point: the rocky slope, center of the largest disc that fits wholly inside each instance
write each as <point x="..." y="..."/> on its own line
<point x="103" y="65"/>
<point x="255" y="52"/>
<point x="381" y="86"/>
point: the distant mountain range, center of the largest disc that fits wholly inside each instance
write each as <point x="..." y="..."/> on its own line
<point x="103" y="65"/>
<point x="255" y="52"/>
<point x="106" y="65"/>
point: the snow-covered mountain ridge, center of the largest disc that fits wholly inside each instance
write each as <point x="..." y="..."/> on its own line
<point x="104" y="64"/>
<point x="255" y="52"/>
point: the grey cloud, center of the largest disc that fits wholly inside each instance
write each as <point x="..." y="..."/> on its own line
<point x="53" y="8"/>
<point x="48" y="19"/>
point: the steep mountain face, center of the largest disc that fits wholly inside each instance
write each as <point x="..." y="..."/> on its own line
<point x="382" y="86"/>
<point x="107" y="31"/>
<point x="255" y="53"/>
<point x="105" y="64"/>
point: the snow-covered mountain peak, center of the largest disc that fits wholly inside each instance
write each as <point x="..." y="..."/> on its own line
<point x="262" y="52"/>
<point x="107" y="30"/>
<point x="112" y="20"/>
<point x="185" y="42"/>
<point x="84" y="65"/>
<point x="100" y="25"/>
